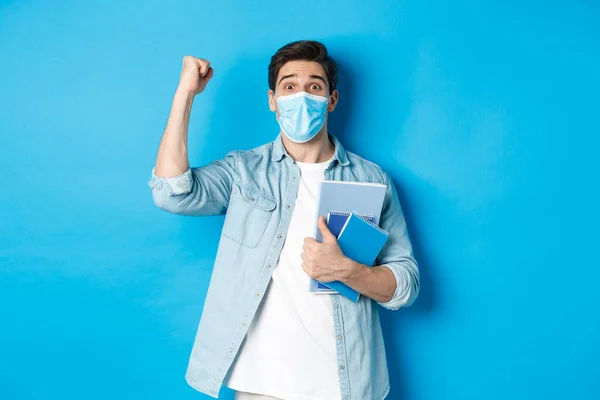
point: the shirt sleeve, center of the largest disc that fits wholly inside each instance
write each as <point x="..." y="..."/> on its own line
<point x="199" y="191"/>
<point x="397" y="254"/>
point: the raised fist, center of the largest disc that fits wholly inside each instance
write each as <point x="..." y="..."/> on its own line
<point x="195" y="74"/>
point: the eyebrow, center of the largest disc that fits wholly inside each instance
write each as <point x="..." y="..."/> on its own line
<point x="295" y="75"/>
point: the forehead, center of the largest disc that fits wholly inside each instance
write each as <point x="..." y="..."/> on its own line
<point x="301" y="68"/>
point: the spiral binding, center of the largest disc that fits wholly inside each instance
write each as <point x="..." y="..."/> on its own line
<point x="373" y="225"/>
<point x="347" y="213"/>
<point x="363" y="217"/>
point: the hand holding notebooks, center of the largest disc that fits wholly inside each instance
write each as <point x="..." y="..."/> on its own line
<point x="360" y="240"/>
<point x="346" y="196"/>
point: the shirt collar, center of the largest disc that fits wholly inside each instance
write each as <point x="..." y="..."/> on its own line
<point x="339" y="154"/>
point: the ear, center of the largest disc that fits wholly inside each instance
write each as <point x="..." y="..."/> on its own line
<point x="272" y="101"/>
<point x="333" y="100"/>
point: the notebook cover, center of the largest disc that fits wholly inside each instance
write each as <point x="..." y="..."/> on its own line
<point x="337" y="219"/>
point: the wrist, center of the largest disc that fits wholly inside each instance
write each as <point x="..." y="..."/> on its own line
<point x="352" y="270"/>
<point x="184" y="93"/>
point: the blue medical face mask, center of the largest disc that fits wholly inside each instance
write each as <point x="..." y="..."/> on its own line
<point x="301" y="115"/>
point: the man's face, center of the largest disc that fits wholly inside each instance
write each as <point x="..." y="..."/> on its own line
<point x="302" y="76"/>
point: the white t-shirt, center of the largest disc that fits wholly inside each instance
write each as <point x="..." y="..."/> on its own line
<point x="290" y="351"/>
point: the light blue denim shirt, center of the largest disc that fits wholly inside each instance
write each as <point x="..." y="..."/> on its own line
<point x="256" y="190"/>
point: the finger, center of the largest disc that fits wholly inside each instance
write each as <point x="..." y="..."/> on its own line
<point x="303" y="265"/>
<point x="327" y="235"/>
<point x="308" y="241"/>
<point x="209" y="74"/>
<point x="203" y="67"/>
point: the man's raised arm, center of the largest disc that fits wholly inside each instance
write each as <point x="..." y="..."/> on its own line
<point x="176" y="187"/>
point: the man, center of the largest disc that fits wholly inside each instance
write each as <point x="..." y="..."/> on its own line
<point x="262" y="333"/>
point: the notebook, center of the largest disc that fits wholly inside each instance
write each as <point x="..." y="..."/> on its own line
<point x="335" y="223"/>
<point x="337" y="219"/>
<point x="360" y="240"/>
<point x="346" y="196"/>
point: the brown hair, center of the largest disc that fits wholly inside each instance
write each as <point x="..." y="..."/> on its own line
<point x="306" y="50"/>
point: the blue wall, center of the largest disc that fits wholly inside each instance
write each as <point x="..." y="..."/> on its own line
<point x="484" y="113"/>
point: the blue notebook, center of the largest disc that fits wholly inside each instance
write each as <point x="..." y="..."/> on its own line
<point x="335" y="223"/>
<point x="361" y="240"/>
<point x="337" y="219"/>
<point x="346" y="196"/>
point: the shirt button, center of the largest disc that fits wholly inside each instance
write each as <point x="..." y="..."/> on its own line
<point x="336" y="305"/>
<point x="288" y="206"/>
<point x="339" y="337"/>
<point x="279" y="236"/>
<point x="342" y="367"/>
<point x="293" y="177"/>
<point x="269" y="265"/>
<point x="257" y="294"/>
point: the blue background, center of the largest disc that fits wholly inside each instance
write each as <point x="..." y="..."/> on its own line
<point x="484" y="113"/>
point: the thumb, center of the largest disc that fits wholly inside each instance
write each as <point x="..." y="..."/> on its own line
<point x="327" y="235"/>
<point x="209" y="74"/>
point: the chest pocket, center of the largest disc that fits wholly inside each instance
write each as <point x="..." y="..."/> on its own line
<point x="248" y="214"/>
